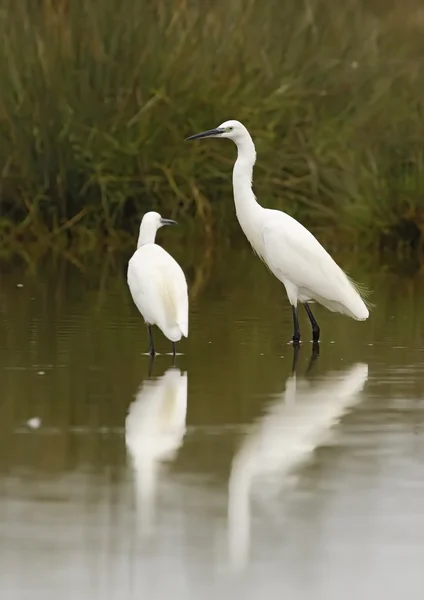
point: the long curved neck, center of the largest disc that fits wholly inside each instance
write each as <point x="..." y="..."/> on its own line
<point x="147" y="235"/>
<point x="247" y="208"/>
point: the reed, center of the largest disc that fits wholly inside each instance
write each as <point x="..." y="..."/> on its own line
<point x="96" y="99"/>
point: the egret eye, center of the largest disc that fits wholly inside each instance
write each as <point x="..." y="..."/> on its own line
<point x="228" y="129"/>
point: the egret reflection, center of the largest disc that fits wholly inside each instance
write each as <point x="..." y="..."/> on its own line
<point x="294" y="425"/>
<point x="154" y="430"/>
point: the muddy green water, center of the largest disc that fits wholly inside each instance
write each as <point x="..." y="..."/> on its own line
<point x="225" y="476"/>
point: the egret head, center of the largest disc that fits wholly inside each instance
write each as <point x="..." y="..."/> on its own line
<point x="154" y="221"/>
<point x="234" y="130"/>
<point x="150" y="223"/>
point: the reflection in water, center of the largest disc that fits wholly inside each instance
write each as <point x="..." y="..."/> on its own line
<point x="354" y="524"/>
<point x="154" y="430"/>
<point x="295" y="424"/>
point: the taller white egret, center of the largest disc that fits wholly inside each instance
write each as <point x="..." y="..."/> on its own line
<point x="157" y="283"/>
<point x="289" y="250"/>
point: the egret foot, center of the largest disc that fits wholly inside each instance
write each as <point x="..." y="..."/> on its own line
<point x="295" y="357"/>
<point x="314" y="356"/>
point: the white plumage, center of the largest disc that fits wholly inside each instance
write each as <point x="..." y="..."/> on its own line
<point x="308" y="272"/>
<point x="289" y="250"/>
<point x="157" y="283"/>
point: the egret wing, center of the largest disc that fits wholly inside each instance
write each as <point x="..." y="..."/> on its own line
<point x="295" y="255"/>
<point x="181" y="294"/>
<point x="146" y="283"/>
<point x="158" y="287"/>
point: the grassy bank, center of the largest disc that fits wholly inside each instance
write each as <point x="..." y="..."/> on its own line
<point x="97" y="98"/>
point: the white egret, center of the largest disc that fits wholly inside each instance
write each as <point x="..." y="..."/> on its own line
<point x="289" y="250"/>
<point x="157" y="283"/>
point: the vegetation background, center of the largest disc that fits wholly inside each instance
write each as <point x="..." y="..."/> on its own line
<point x="96" y="99"/>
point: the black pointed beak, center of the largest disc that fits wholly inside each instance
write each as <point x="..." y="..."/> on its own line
<point x="210" y="133"/>
<point x="168" y="222"/>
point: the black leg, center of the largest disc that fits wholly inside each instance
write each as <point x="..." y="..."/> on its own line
<point x="151" y="361"/>
<point x="315" y="326"/>
<point x="314" y="355"/>
<point x="173" y="352"/>
<point x="296" y="330"/>
<point x="295" y="357"/>
<point x="152" y="346"/>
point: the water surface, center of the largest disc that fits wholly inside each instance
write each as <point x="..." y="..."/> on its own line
<point x="226" y="475"/>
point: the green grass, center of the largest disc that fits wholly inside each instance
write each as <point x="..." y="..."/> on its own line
<point x="96" y="99"/>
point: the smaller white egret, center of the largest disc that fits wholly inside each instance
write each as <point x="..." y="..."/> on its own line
<point x="288" y="249"/>
<point x="157" y="284"/>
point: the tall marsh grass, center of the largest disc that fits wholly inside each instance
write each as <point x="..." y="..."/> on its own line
<point x="96" y="99"/>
